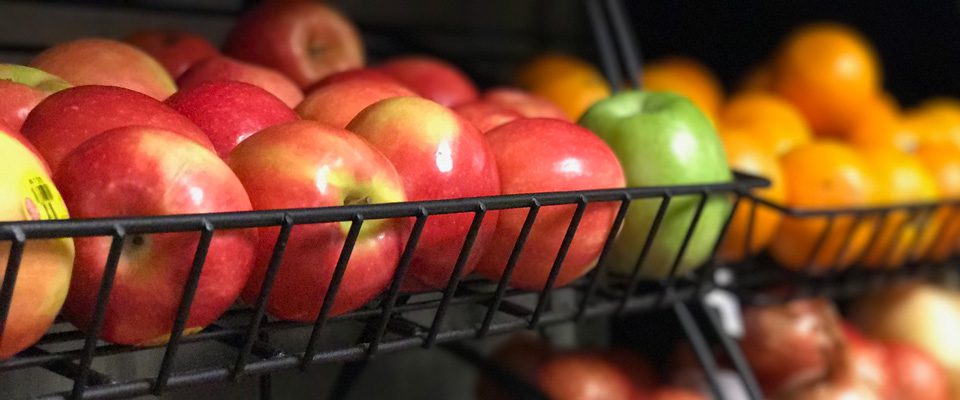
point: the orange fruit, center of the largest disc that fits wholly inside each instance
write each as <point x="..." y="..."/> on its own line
<point x="944" y="163"/>
<point x="880" y="124"/>
<point x="936" y="122"/>
<point x="823" y="175"/>
<point x="828" y="71"/>
<point x="744" y="154"/>
<point x="902" y="179"/>
<point x="775" y="123"/>
<point x="687" y="77"/>
<point x="572" y="83"/>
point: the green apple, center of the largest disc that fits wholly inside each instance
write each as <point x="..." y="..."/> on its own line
<point x="663" y="139"/>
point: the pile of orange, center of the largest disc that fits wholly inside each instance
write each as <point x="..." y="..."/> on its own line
<point x="570" y="82"/>
<point x="815" y="120"/>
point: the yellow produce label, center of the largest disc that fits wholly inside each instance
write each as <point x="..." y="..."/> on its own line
<point x="41" y="199"/>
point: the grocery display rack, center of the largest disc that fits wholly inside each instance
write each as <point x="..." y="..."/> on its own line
<point x="397" y="321"/>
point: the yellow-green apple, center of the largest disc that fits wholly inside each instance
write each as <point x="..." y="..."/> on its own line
<point x="550" y="155"/>
<point x="304" y="40"/>
<point x="95" y="61"/>
<point x="307" y="164"/>
<point x="27" y="193"/>
<point x="228" y="69"/>
<point x="663" y="139"/>
<point x="432" y="78"/>
<point x="143" y="171"/>
<point x="21" y="89"/>
<point x="484" y="115"/>
<point x="176" y="50"/>
<point x="64" y="120"/>
<point x="439" y="155"/>
<point x="527" y="104"/>
<point x="230" y="111"/>
<point x="338" y="98"/>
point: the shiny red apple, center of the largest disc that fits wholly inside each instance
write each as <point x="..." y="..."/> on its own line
<point x="176" y="50"/>
<point x="21" y="89"/>
<point x="228" y="69"/>
<point x="439" y="156"/>
<point x="339" y="97"/>
<point x="230" y="111"/>
<point x="548" y="155"/>
<point x="306" y="164"/>
<point x="70" y="117"/>
<point x="527" y="104"/>
<point x="142" y="171"/>
<point x="432" y="78"/>
<point x="486" y="116"/>
<point x="306" y="41"/>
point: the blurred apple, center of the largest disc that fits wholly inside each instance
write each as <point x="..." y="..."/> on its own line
<point x="527" y="104"/>
<point x="27" y="193"/>
<point x="338" y="98"/>
<point x="138" y="171"/>
<point x="584" y="376"/>
<point x="176" y="50"/>
<point x="522" y="355"/>
<point x="915" y="373"/>
<point x="228" y="69"/>
<point x="230" y="111"/>
<point x="439" y="155"/>
<point x="306" y="164"/>
<point x="486" y="116"/>
<point x="21" y="89"/>
<point x="70" y="117"/>
<point x="94" y="61"/>
<point x="432" y="78"/>
<point x="306" y="41"/>
<point x="548" y="155"/>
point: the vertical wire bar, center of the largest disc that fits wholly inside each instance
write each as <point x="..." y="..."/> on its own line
<point x="875" y="237"/>
<point x="647" y="245"/>
<point x="454" y="281"/>
<point x="394" y="291"/>
<point x="601" y="269"/>
<point x="672" y="276"/>
<point x="895" y="242"/>
<point x="629" y="49"/>
<point x="739" y="361"/>
<point x="260" y="306"/>
<point x="608" y="58"/>
<point x="183" y="310"/>
<point x="10" y="276"/>
<point x="508" y="269"/>
<point x="748" y="238"/>
<point x="700" y="347"/>
<point x="945" y="227"/>
<point x="818" y="246"/>
<point x="330" y="297"/>
<point x="914" y="246"/>
<point x="99" y="312"/>
<point x="545" y="294"/>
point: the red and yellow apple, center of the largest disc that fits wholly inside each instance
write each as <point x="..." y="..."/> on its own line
<point x="439" y="155"/>
<point x="306" y="41"/>
<point x="432" y="78"/>
<point x="228" y="69"/>
<point x="142" y="171"/>
<point x="94" y="61"/>
<point x="230" y="111"/>
<point x="339" y="97"/>
<point x="21" y="89"/>
<point x="27" y="193"/>
<point x="484" y="115"/>
<point x="550" y="155"/>
<point x="307" y="164"/>
<point x="176" y="50"/>
<point x="70" y="117"/>
<point x="526" y="104"/>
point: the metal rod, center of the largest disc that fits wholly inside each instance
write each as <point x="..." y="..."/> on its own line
<point x="508" y="270"/>
<point x="10" y="276"/>
<point x="599" y="273"/>
<point x="629" y="47"/>
<point x="647" y="245"/>
<point x="558" y="263"/>
<point x="700" y="347"/>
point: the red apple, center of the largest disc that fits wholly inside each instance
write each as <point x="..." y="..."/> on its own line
<point x="915" y="373"/>
<point x="521" y="355"/>
<point x="439" y="155"/>
<point x="339" y="97"/>
<point x="106" y="62"/>
<point x="584" y="376"/>
<point x="21" y="89"/>
<point x="228" y="69"/>
<point x="672" y="393"/>
<point x="230" y="111"/>
<point x="70" y="117"/>
<point x="176" y="50"/>
<point x="304" y="40"/>
<point x="363" y="74"/>
<point x="137" y="171"/>
<point x="27" y="193"/>
<point x="549" y="155"/>
<point x="486" y="116"/>
<point x="432" y="78"/>
<point x="867" y="359"/>
<point x="527" y="104"/>
<point x="306" y="164"/>
<point x="640" y="372"/>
